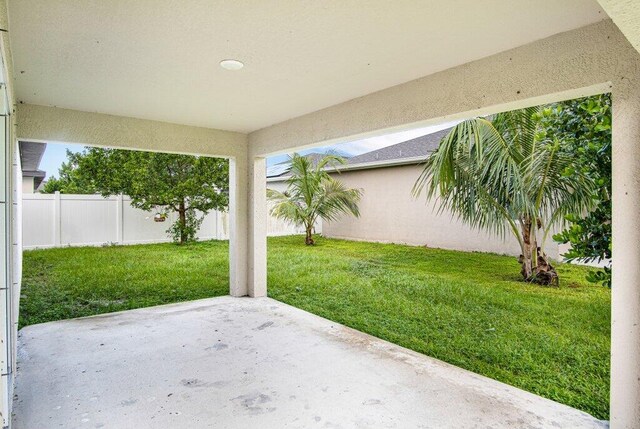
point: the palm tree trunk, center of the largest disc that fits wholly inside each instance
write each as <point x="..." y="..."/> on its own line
<point x="526" y="259"/>
<point x="545" y="272"/>
<point x="308" y="240"/>
<point x="535" y="264"/>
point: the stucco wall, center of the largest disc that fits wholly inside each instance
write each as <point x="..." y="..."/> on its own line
<point x="626" y="15"/>
<point x="10" y="240"/>
<point x="27" y="185"/>
<point x="42" y="123"/>
<point x="389" y="213"/>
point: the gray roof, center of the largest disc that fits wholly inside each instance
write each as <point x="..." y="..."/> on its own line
<point x="414" y="148"/>
<point x="31" y="155"/>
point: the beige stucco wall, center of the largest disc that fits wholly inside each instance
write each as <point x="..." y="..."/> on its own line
<point x="626" y="15"/>
<point x="27" y="185"/>
<point x="389" y="213"/>
<point x="10" y="239"/>
<point x="95" y="129"/>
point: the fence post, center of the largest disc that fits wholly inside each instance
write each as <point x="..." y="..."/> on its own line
<point x="57" y="220"/>
<point x="119" y="219"/>
<point x="218" y="235"/>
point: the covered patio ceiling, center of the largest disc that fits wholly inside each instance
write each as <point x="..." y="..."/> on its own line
<point x="158" y="59"/>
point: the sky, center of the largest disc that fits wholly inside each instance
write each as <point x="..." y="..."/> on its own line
<point x="56" y="153"/>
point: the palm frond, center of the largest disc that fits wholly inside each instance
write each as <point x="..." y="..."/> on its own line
<point x="337" y="199"/>
<point x="494" y="172"/>
<point x="312" y="193"/>
<point x="282" y="207"/>
<point x="474" y="174"/>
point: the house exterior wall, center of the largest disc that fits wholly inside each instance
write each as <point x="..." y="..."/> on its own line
<point x="390" y="214"/>
<point x="27" y="185"/>
<point x="10" y="245"/>
<point x="626" y="15"/>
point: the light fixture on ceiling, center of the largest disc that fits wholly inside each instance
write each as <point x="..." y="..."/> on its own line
<point x="231" y="64"/>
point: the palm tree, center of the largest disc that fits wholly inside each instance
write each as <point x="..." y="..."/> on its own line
<point x="506" y="174"/>
<point x="312" y="193"/>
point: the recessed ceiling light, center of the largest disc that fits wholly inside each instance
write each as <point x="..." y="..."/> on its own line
<point x="231" y="64"/>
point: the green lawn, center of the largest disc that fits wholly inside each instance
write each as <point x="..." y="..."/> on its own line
<point x="468" y="309"/>
<point x="80" y="281"/>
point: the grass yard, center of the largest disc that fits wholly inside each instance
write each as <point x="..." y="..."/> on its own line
<point x="70" y="282"/>
<point x="468" y="309"/>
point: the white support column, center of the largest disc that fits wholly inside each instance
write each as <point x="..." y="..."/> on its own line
<point x="238" y="220"/>
<point x="257" y="226"/>
<point x="625" y="307"/>
<point x="247" y="227"/>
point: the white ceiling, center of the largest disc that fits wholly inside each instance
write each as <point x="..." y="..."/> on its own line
<point x="158" y="59"/>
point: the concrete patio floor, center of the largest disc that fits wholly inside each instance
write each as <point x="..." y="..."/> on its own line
<point x="251" y="363"/>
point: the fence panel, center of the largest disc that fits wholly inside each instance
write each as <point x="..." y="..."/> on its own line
<point x="38" y="221"/>
<point x="54" y="220"/>
<point x="139" y="226"/>
<point x="87" y="220"/>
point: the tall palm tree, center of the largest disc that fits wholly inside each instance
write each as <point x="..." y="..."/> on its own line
<point x="312" y="193"/>
<point x="505" y="174"/>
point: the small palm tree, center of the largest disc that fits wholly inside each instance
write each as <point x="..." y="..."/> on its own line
<point x="505" y="174"/>
<point x="312" y="193"/>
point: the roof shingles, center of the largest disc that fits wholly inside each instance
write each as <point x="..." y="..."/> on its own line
<point x="414" y="148"/>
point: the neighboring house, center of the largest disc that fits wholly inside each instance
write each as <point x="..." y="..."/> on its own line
<point x="390" y="213"/>
<point x="30" y="157"/>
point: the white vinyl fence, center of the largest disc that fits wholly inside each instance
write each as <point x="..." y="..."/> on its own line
<point x="55" y="220"/>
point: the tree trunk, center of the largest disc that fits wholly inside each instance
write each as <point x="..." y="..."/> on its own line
<point x="526" y="259"/>
<point x="182" y="213"/>
<point x="545" y="273"/>
<point x="535" y="264"/>
<point x="308" y="240"/>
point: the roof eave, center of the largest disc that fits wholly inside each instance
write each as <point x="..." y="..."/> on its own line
<point x="364" y="166"/>
<point x="34" y="173"/>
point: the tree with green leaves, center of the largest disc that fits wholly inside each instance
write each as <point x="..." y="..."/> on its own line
<point x="69" y="181"/>
<point x="188" y="185"/>
<point x="584" y="125"/>
<point x="506" y="173"/>
<point x="313" y="194"/>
